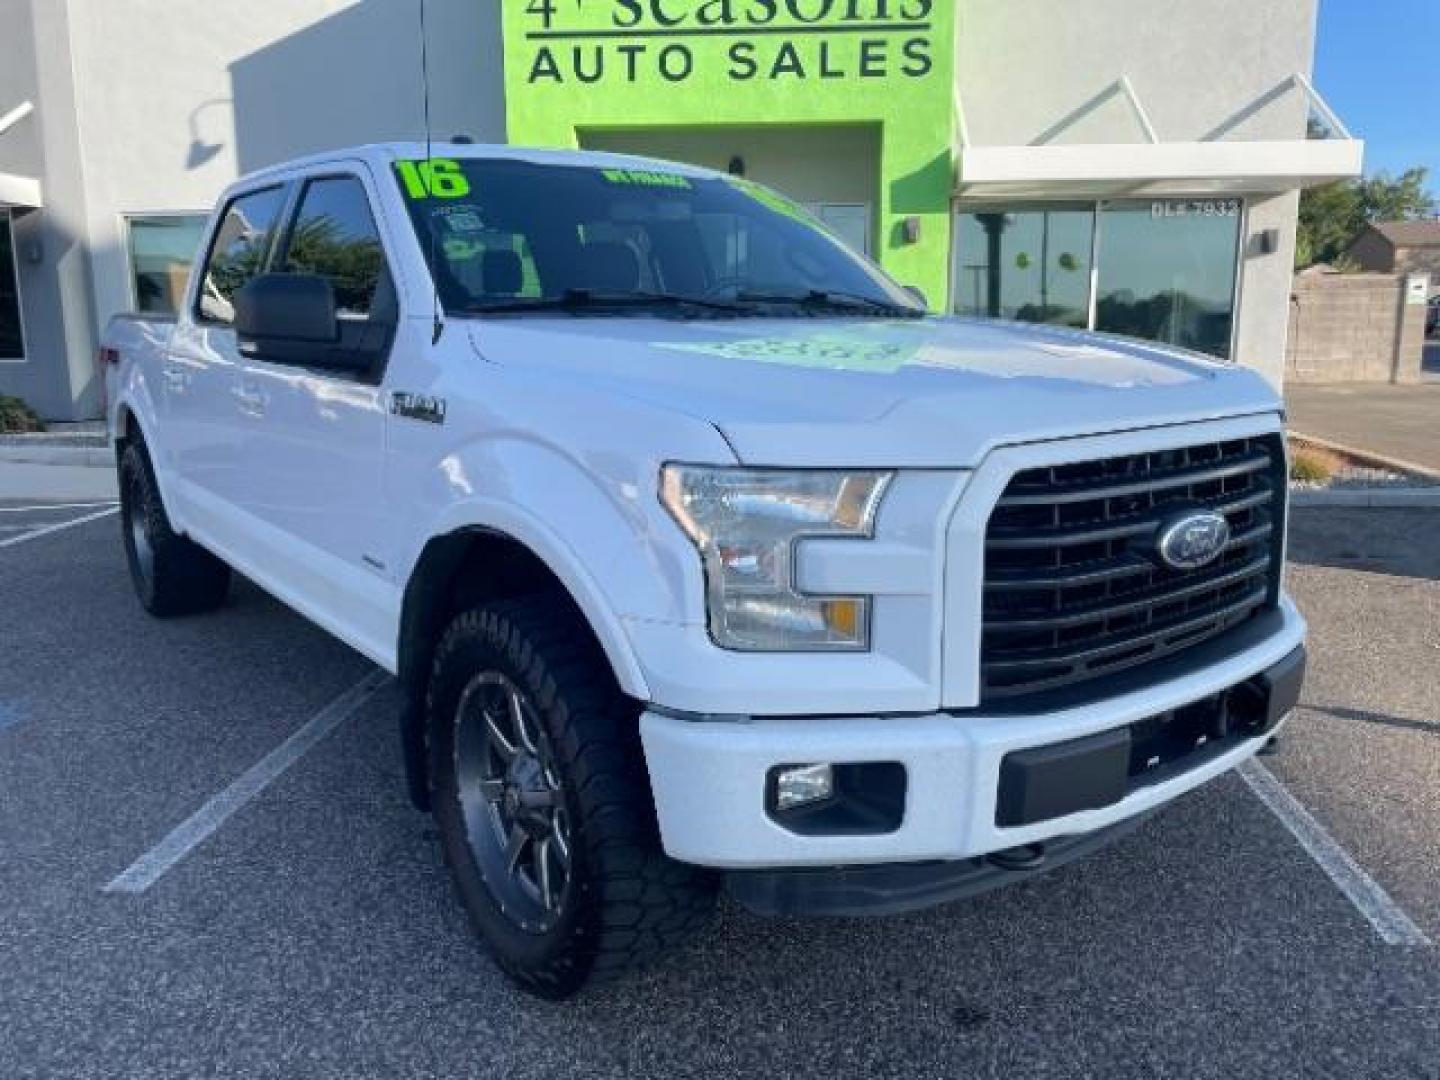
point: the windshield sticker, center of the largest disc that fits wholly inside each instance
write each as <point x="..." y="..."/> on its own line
<point x="818" y="351"/>
<point x="773" y="200"/>
<point x="645" y="178"/>
<point x="462" y="220"/>
<point x="440" y="177"/>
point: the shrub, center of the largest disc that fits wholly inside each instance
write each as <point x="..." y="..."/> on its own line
<point x="16" y="416"/>
<point x="1311" y="466"/>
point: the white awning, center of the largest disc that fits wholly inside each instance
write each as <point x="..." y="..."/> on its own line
<point x="1154" y="167"/>
<point x="19" y="192"/>
<point x="1158" y="169"/>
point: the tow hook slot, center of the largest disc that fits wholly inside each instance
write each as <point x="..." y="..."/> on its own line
<point x="1024" y="857"/>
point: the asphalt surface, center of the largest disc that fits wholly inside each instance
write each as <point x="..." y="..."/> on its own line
<point x="1399" y="422"/>
<point x="315" y="934"/>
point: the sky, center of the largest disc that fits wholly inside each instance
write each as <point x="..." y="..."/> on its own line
<point x="1377" y="62"/>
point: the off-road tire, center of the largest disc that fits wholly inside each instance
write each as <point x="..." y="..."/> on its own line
<point x="627" y="902"/>
<point x="172" y="574"/>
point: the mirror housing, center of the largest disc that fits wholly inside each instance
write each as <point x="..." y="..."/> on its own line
<point x="285" y="308"/>
<point x="291" y="319"/>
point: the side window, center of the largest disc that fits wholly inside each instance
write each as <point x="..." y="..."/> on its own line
<point x="237" y="253"/>
<point x="334" y="236"/>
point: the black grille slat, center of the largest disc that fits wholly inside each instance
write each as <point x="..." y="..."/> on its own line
<point x="1091" y="653"/>
<point x="1020" y="537"/>
<point x="1081" y="492"/>
<point x="1073" y="590"/>
<point x="1186" y="589"/>
<point x="1088" y="574"/>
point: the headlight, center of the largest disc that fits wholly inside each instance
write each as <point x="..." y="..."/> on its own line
<point x="745" y="523"/>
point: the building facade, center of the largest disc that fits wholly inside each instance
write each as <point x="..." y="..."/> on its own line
<point x="1106" y="165"/>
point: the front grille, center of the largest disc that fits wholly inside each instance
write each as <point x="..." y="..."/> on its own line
<point x="1073" y="589"/>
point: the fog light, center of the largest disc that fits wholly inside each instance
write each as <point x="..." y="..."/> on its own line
<point x="800" y="785"/>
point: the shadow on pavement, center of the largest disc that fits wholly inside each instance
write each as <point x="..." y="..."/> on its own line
<point x="1365" y="716"/>
<point x="1401" y="543"/>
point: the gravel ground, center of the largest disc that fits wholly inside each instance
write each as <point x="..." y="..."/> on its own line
<point x="316" y="935"/>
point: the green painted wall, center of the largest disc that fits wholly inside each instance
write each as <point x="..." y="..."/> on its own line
<point x="574" y="65"/>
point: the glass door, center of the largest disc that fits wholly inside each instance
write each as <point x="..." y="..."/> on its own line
<point x="1166" y="271"/>
<point x="1031" y="264"/>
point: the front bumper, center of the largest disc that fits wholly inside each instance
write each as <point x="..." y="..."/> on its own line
<point x="710" y="777"/>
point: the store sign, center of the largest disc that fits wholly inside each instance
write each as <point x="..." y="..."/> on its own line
<point x="1185" y="208"/>
<point x="589" y="42"/>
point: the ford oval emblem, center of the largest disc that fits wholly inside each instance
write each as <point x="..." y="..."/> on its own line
<point x="1192" y="540"/>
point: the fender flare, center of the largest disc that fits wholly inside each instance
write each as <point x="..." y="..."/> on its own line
<point x="509" y="521"/>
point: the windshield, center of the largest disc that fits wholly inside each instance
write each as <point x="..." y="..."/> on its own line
<point x="516" y="237"/>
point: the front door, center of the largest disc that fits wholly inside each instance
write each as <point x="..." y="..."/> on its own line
<point x="313" y="455"/>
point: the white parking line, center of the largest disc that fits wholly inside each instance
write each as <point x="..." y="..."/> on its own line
<point x="199" y="826"/>
<point x="48" y="529"/>
<point x="1372" y="901"/>
<point x="40" y="507"/>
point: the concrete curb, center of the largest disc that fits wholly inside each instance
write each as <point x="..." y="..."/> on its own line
<point x="1369" y="457"/>
<point x="89" y="456"/>
<point x="1376" y="498"/>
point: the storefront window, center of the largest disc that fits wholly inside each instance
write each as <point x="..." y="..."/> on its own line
<point x="1167" y="271"/>
<point x="12" y="343"/>
<point x="162" y="248"/>
<point x="1164" y="269"/>
<point x="1032" y="264"/>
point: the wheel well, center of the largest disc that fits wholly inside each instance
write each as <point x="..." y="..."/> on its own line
<point x="459" y="571"/>
<point x="456" y="572"/>
<point x="127" y="430"/>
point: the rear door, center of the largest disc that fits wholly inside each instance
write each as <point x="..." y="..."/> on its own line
<point x="314" y="434"/>
<point x="201" y="375"/>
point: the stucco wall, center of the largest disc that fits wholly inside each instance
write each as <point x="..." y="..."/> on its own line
<point x="1024" y="66"/>
<point x="57" y="377"/>
<point x="1354" y="328"/>
<point x="169" y="117"/>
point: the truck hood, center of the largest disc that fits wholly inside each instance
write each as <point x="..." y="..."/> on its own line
<point x="923" y="393"/>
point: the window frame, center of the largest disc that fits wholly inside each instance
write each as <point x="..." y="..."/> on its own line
<point x="127" y="220"/>
<point x="197" y="277"/>
<point x="9" y="218"/>
<point x="295" y="186"/>
<point x="290" y="213"/>
<point x="1096" y="207"/>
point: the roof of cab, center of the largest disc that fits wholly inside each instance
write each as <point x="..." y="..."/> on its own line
<point x="384" y="153"/>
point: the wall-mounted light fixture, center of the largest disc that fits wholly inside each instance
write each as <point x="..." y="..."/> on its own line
<point x="910" y="229"/>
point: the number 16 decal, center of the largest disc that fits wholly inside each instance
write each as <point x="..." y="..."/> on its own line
<point x="440" y="177"/>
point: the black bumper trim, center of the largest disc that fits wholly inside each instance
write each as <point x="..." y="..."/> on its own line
<point x="897" y="888"/>
<point x="1095" y="771"/>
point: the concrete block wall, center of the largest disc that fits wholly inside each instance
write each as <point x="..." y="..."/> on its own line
<point x="1354" y="328"/>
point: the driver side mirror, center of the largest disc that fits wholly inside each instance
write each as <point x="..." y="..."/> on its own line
<point x="291" y="319"/>
<point x="285" y="310"/>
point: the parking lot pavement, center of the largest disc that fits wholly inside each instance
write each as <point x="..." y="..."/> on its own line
<point x="1364" y="751"/>
<point x="315" y="932"/>
<point x="1398" y="422"/>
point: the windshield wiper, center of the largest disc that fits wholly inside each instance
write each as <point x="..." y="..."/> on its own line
<point x="835" y="299"/>
<point x="579" y="300"/>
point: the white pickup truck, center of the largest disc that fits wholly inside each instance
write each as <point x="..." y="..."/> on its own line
<point x="705" y="557"/>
